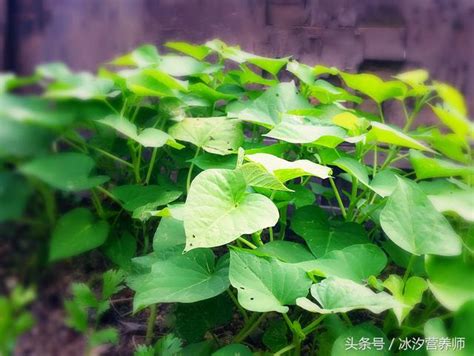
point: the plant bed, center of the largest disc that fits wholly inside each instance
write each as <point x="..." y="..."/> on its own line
<point x="189" y="202"/>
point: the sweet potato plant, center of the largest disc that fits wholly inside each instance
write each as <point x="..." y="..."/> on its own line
<point x="300" y="210"/>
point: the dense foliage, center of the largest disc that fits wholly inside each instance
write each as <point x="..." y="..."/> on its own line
<point x="234" y="184"/>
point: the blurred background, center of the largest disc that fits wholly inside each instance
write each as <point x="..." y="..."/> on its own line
<point x="383" y="36"/>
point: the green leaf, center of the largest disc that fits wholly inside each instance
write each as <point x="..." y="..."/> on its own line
<point x="354" y="168"/>
<point x="20" y="140"/>
<point x="67" y="171"/>
<point x="198" y="52"/>
<point x="451" y="279"/>
<point x="168" y="345"/>
<point x="233" y="350"/>
<point x="295" y="129"/>
<point x="268" y="108"/>
<point x="169" y="238"/>
<point x="104" y="336"/>
<point x="133" y="197"/>
<point x="149" y="137"/>
<point x="374" y="87"/>
<point x="323" y="236"/>
<point x="286" y="251"/>
<point x="14" y="194"/>
<point x="460" y="202"/>
<point x="30" y="110"/>
<point x="328" y="93"/>
<point x="256" y="175"/>
<point x="218" y="135"/>
<point x="266" y="284"/>
<point x="388" y="134"/>
<point x="193" y="320"/>
<point x="230" y="210"/>
<point x="427" y="167"/>
<point x="411" y="221"/>
<point x="185" y="278"/>
<point x="337" y="295"/>
<point x="76" y="232"/>
<point x="285" y="170"/>
<point x="349" y="342"/>
<point x="408" y="294"/>
<point x="357" y="263"/>
<point x="457" y="122"/>
<point x="211" y="161"/>
<point x="180" y="66"/>
<point x="142" y="56"/>
<point x="271" y="65"/>
<point x="275" y="335"/>
<point x="112" y="280"/>
<point x="452" y="97"/>
<point x="82" y="86"/>
<point x="121" y="249"/>
<point x="153" y="82"/>
<point x="302" y="71"/>
<point x="384" y="182"/>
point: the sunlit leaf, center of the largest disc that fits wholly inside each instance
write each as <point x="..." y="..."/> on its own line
<point x="218" y="135"/>
<point x="219" y="209"/>
<point x="286" y="170"/>
<point x="266" y="284"/>
<point x="337" y="295"/>
<point x="410" y="220"/>
<point x="356" y="262"/>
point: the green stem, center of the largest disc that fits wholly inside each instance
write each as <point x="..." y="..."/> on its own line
<point x="338" y="197"/>
<point x="107" y="193"/>
<point x="152" y="163"/>
<point x="411" y="262"/>
<point x="97" y="203"/>
<point x="190" y="172"/>
<point x="284" y="350"/>
<point x="237" y="304"/>
<point x="248" y="243"/>
<point x="257" y="238"/>
<point x="270" y="229"/>
<point x="111" y="156"/>
<point x="253" y="322"/>
<point x="308" y="329"/>
<point x="151" y="324"/>
<point x="137" y="163"/>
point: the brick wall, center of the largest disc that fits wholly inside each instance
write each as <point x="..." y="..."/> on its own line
<point x="385" y="36"/>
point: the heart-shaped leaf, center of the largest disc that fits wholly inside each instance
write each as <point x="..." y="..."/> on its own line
<point x="410" y="220"/>
<point x="357" y="263"/>
<point x="323" y="236"/>
<point x="219" y="209"/>
<point x="266" y="284"/>
<point x="218" y="135"/>
<point x="185" y="278"/>
<point x="268" y="108"/>
<point x="76" y="232"/>
<point x="409" y="294"/>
